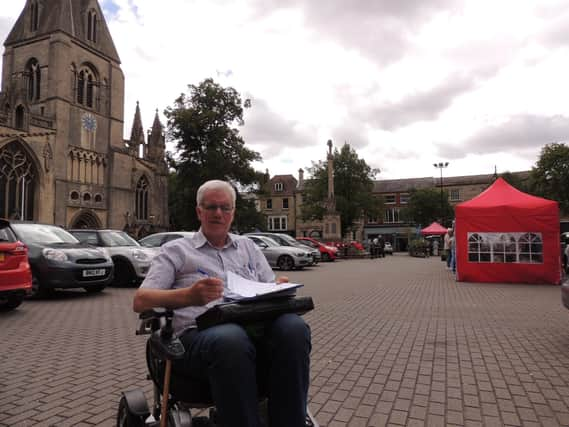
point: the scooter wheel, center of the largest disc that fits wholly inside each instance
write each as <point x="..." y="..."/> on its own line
<point x="127" y="419"/>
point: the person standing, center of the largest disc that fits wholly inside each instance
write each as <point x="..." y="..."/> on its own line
<point x="189" y="273"/>
<point x="446" y="247"/>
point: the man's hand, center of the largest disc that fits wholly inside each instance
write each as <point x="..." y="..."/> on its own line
<point x="281" y="279"/>
<point x="204" y="291"/>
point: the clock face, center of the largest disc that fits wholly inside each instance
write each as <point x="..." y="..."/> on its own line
<point x="89" y="122"/>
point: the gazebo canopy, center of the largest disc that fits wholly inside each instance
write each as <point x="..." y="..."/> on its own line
<point x="434" y="228"/>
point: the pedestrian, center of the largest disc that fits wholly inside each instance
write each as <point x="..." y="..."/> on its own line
<point x="189" y="273"/>
<point x="446" y="247"/>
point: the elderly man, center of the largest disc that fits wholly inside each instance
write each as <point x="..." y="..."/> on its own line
<point x="191" y="272"/>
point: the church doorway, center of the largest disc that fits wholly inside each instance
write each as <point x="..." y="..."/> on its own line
<point x="18" y="182"/>
<point x="86" y="219"/>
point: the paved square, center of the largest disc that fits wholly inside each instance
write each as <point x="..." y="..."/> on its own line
<point x="396" y="341"/>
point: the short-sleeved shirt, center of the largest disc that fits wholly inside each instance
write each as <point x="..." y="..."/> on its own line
<point x="182" y="262"/>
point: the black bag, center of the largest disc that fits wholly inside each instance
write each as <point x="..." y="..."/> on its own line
<point x="249" y="312"/>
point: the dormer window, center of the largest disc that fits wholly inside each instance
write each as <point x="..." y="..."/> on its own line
<point x="92" y="26"/>
<point x="278" y="186"/>
<point x="34" y="16"/>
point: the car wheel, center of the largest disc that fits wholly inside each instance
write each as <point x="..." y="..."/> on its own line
<point x="325" y="257"/>
<point x="37" y="290"/>
<point x="10" y="303"/>
<point x="124" y="274"/>
<point x="94" y="289"/>
<point x="285" y="262"/>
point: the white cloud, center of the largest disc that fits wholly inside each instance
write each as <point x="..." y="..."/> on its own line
<point x="477" y="83"/>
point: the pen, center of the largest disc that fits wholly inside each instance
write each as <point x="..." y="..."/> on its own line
<point x="205" y="273"/>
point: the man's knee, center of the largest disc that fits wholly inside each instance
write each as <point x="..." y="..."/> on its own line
<point x="228" y="339"/>
<point x="291" y="329"/>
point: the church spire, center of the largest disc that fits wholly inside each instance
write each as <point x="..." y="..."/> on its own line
<point x="137" y="132"/>
<point x="156" y="141"/>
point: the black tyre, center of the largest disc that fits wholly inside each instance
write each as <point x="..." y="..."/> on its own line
<point x="10" y="303"/>
<point x="94" y="289"/>
<point x="124" y="274"/>
<point x="127" y="419"/>
<point x="325" y="257"/>
<point x="285" y="262"/>
<point x="37" y="290"/>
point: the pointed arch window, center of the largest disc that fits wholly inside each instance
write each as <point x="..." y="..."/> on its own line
<point x="20" y="117"/>
<point x="33" y="76"/>
<point x="141" y="208"/>
<point x="87" y="88"/>
<point x="34" y="16"/>
<point x="17" y="183"/>
<point x="92" y="26"/>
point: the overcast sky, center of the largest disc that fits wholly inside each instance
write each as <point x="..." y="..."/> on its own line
<point x="476" y="83"/>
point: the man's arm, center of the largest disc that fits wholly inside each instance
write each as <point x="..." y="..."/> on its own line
<point x="200" y="293"/>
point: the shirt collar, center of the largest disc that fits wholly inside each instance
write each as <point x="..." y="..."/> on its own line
<point x="200" y="240"/>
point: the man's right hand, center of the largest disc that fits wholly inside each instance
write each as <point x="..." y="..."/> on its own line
<point x="204" y="291"/>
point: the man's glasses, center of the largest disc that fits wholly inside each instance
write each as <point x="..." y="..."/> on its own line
<point x="214" y="208"/>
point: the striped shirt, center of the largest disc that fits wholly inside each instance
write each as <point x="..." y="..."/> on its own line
<point x="182" y="262"/>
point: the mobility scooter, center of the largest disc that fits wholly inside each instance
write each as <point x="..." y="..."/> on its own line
<point x="181" y="401"/>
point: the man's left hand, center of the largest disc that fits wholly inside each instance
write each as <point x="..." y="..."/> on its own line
<point x="282" y="279"/>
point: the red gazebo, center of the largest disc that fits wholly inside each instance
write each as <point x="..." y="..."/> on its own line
<point x="434" y="229"/>
<point x="506" y="236"/>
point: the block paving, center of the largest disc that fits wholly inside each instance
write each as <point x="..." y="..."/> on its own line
<point x="396" y="342"/>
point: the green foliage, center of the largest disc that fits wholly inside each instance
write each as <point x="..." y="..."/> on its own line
<point x="549" y="178"/>
<point x="424" y="207"/>
<point x="418" y="247"/>
<point x="353" y="185"/>
<point x="203" y="124"/>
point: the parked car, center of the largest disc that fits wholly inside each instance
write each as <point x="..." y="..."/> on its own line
<point x="158" y="239"/>
<point x="132" y="261"/>
<point x="286" y="240"/>
<point x="387" y="248"/>
<point x="282" y="257"/>
<point x="15" y="272"/>
<point x="59" y="260"/>
<point x="327" y="253"/>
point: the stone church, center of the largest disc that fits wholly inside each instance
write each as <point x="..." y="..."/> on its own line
<point x="63" y="158"/>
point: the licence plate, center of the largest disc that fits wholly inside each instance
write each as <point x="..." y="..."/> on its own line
<point x="94" y="272"/>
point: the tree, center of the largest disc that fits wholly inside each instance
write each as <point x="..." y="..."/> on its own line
<point x="515" y="180"/>
<point x="203" y="124"/>
<point x="353" y="187"/>
<point x="424" y="207"/>
<point x="549" y="178"/>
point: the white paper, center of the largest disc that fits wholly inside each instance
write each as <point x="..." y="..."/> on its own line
<point x="245" y="288"/>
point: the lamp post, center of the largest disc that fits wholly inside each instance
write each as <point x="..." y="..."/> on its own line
<point x="441" y="166"/>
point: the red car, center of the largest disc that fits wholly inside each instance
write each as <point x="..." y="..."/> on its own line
<point x="15" y="273"/>
<point x="329" y="253"/>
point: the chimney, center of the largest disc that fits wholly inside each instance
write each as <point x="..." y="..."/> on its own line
<point x="300" y="178"/>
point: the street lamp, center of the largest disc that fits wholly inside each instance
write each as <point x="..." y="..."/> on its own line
<point x="441" y="166"/>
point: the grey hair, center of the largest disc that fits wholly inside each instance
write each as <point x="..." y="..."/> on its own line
<point x="215" y="184"/>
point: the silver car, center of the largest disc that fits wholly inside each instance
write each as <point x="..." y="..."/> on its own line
<point x="158" y="239"/>
<point x="282" y="257"/>
<point x="286" y="240"/>
<point x="131" y="260"/>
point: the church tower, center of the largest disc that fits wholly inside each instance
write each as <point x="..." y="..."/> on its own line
<point x="63" y="158"/>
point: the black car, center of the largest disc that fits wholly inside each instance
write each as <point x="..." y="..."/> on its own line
<point x="59" y="260"/>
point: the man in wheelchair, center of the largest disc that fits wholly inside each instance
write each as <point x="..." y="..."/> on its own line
<point x="188" y="276"/>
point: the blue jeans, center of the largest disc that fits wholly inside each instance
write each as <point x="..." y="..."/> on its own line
<point x="229" y="359"/>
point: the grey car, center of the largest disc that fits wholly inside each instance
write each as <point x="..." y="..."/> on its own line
<point x="282" y="257"/>
<point x="286" y="240"/>
<point x="59" y="261"/>
<point x="131" y="260"/>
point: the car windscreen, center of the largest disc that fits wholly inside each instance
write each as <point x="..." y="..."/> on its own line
<point x="290" y="240"/>
<point x="117" y="238"/>
<point x="269" y="241"/>
<point x="151" y="241"/>
<point x="44" y="234"/>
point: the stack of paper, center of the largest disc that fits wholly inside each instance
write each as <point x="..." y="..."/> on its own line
<point x="241" y="288"/>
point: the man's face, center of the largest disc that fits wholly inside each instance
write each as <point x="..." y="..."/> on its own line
<point x="216" y="214"/>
